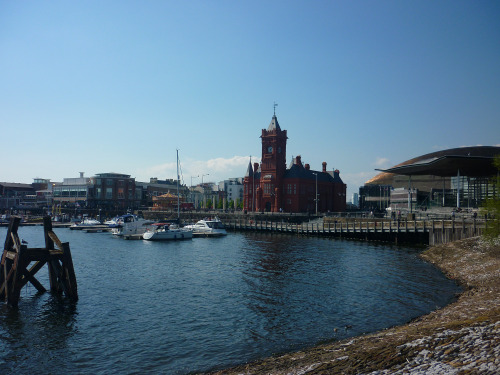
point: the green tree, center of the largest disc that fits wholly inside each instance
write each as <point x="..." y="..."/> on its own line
<point x="491" y="206"/>
<point x="239" y="204"/>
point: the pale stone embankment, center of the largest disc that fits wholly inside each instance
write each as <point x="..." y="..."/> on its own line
<point x="461" y="338"/>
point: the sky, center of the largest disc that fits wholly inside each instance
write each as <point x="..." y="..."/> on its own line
<point x="118" y="86"/>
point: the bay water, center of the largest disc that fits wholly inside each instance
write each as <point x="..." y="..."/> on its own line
<point x="210" y="303"/>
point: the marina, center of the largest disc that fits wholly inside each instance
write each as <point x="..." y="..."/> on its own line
<point x="336" y="211"/>
<point x="417" y="230"/>
<point x="193" y="306"/>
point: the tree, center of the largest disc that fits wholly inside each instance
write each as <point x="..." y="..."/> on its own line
<point x="239" y="204"/>
<point x="491" y="206"/>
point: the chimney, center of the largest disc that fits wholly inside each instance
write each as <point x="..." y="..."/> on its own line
<point x="298" y="160"/>
<point x="324" y="167"/>
<point x="336" y="172"/>
<point x="81" y="174"/>
<point x="307" y="166"/>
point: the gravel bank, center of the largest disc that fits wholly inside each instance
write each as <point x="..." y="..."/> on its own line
<point x="462" y="338"/>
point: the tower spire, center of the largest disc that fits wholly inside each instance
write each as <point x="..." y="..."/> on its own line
<point x="275" y="105"/>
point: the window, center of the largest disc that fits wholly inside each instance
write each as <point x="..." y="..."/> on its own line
<point x="121" y="194"/>
<point x="268" y="189"/>
<point x="109" y="193"/>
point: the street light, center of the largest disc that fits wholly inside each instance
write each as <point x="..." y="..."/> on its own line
<point x="192" y="196"/>
<point x="316" y="197"/>
<point x="203" y="175"/>
<point x="192" y="179"/>
<point x="203" y="188"/>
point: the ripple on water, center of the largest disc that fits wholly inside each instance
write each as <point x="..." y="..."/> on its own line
<point x="195" y="305"/>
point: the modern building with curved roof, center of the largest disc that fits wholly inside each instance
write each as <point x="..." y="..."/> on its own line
<point x="458" y="177"/>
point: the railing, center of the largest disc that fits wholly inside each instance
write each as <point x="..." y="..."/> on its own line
<point x="423" y="231"/>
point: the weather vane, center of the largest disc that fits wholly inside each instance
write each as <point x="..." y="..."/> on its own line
<point x="275" y="105"/>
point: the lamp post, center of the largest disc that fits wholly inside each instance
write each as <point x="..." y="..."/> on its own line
<point x="192" y="179"/>
<point x="316" y="196"/>
<point x="203" y="189"/>
<point x="191" y="189"/>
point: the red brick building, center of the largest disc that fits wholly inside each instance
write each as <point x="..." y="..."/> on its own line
<point x="272" y="187"/>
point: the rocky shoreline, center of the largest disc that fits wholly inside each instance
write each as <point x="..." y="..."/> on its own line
<point x="461" y="338"/>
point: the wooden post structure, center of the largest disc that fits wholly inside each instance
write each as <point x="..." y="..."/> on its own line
<point x="16" y="257"/>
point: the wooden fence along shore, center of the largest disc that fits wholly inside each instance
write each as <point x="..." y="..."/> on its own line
<point x="416" y="231"/>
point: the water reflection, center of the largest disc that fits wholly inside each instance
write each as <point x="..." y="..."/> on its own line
<point x="37" y="332"/>
<point x="210" y="303"/>
<point x="362" y="287"/>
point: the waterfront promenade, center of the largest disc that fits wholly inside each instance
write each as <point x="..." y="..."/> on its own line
<point x="430" y="232"/>
<point x="461" y="338"/>
<point x="428" y="229"/>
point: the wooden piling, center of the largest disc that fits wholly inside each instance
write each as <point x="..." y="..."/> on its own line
<point x="16" y="258"/>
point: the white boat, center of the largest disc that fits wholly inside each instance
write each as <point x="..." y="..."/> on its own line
<point x="87" y="222"/>
<point x="165" y="232"/>
<point x="127" y="225"/>
<point x="207" y="228"/>
<point x="112" y="221"/>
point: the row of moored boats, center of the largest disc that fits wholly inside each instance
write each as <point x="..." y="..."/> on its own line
<point x="132" y="225"/>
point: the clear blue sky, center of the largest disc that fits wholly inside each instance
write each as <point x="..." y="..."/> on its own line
<point x="118" y="86"/>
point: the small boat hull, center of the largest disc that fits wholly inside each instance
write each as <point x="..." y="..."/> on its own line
<point x="165" y="234"/>
<point x="208" y="228"/>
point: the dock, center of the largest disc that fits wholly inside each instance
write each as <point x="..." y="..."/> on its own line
<point x="91" y="228"/>
<point x="432" y="232"/>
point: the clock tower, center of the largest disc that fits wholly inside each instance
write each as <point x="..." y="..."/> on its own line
<point x="273" y="167"/>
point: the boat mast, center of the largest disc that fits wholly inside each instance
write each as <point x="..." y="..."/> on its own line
<point x="178" y="200"/>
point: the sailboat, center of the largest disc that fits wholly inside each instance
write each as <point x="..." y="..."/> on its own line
<point x="169" y="231"/>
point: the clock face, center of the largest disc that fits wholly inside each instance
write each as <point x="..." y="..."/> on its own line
<point x="270" y="149"/>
